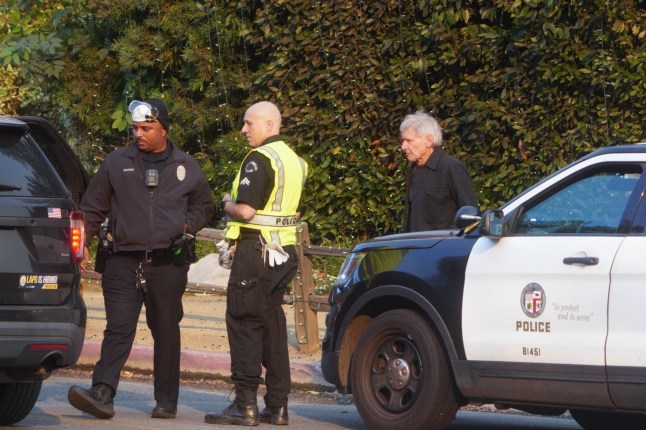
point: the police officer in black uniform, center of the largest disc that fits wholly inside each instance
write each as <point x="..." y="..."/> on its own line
<point x="155" y="197"/>
<point x="262" y="210"/>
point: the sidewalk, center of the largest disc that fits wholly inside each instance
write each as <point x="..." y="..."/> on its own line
<point x="205" y="348"/>
<point x="218" y="364"/>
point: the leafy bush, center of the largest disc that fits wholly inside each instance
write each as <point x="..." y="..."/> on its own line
<point x="521" y="87"/>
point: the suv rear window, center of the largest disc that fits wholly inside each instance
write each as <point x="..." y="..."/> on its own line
<point x="25" y="171"/>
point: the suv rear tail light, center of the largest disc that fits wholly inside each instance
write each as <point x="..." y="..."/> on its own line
<point x="48" y="346"/>
<point x="77" y="235"/>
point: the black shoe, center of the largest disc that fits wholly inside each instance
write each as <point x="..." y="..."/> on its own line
<point x="242" y="412"/>
<point x="277" y="416"/>
<point x="96" y="401"/>
<point x="166" y="412"/>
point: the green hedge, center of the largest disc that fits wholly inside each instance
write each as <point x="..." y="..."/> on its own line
<point x="521" y="87"/>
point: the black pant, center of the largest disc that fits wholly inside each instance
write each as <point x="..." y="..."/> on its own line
<point x="165" y="286"/>
<point x="256" y="323"/>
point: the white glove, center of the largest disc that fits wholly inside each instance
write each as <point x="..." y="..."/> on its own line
<point x="275" y="254"/>
<point x="225" y="259"/>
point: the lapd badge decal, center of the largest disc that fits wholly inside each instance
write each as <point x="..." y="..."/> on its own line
<point x="532" y="300"/>
<point x="181" y="173"/>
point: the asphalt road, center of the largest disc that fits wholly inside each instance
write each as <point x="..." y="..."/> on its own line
<point x="312" y="411"/>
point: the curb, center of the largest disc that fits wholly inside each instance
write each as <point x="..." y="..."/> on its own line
<point x="194" y="361"/>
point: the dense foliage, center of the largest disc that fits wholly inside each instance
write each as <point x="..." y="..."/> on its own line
<point x="521" y="87"/>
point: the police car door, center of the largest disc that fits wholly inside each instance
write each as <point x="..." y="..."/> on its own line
<point x="540" y="294"/>
<point x="626" y="345"/>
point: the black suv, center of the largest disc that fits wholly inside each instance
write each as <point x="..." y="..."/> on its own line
<point x="42" y="313"/>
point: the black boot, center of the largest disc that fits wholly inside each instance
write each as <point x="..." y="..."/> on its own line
<point x="96" y="401"/>
<point x="242" y="412"/>
<point x="164" y="410"/>
<point x="275" y="415"/>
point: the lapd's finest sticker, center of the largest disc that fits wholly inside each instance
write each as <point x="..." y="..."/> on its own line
<point x="181" y="173"/>
<point x="532" y="300"/>
<point x="39" y="282"/>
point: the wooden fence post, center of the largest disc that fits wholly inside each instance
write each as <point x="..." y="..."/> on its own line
<point x="305" y="318"/>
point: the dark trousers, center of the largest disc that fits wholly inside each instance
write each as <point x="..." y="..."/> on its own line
<point x="165" y="286"/>
<point x="256" y="323"/>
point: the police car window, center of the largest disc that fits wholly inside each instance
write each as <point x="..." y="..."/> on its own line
<point x="24" y="170"/>
<point x="591" y="205"/>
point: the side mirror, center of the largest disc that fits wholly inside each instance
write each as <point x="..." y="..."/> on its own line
<point x="466" y="216"/>
<point x="492" y="224"/>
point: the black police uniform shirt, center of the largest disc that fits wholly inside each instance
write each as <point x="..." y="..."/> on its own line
<point x="155" y="161"/>
<point x="256" y="181"/>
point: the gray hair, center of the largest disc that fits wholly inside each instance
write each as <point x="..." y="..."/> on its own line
<point x="424" y="125"/>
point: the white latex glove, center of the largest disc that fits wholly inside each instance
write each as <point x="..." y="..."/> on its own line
<point x="225" y="259"/>
<point x="275" y="254"/>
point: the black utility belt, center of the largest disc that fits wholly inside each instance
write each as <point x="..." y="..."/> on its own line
<point x="156" y="257"/>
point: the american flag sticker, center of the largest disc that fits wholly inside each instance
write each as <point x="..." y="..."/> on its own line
<point x="53" y="212"/>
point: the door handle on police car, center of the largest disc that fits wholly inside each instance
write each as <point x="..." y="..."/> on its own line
<point x="586" y="261"/>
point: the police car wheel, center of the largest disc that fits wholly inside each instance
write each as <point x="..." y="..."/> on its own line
<point x="597" y="420"/>
<point x="400" y="375"/>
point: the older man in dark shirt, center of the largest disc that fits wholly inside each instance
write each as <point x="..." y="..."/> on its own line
<point x="437" y="184"/>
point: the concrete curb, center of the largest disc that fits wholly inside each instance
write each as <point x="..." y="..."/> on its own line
<point x="303" y="372"/>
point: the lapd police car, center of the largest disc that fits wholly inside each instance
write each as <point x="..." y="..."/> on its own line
<point x="539" y="306"/>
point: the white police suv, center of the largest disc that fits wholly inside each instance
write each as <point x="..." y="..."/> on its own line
<point x="537" y="306"/>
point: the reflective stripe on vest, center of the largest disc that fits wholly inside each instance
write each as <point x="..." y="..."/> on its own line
<point x="273" y="221"/>
<point x="278" y="198"/>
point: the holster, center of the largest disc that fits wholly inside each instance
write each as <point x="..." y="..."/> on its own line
<point x="182" y="250"/>
<point x="103" y="250"/>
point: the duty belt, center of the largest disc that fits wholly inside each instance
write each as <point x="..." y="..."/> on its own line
<point x="155" y="256"/>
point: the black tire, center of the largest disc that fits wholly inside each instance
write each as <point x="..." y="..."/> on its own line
<point x="16" y="400"/>
<point x="601" y="420"/>
<point x="400" y="375"/>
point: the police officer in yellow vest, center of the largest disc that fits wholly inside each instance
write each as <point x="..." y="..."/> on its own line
<point x="262" y="210"/>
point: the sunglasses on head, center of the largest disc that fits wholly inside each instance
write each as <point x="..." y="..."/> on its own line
<point x="142" y="111"/>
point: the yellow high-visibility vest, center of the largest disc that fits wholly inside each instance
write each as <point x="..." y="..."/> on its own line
<point x="277" y="220"/>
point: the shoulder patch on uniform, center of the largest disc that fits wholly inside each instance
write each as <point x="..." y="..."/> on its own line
<point x="251" y="166"/>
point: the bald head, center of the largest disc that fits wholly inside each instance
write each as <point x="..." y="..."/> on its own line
<point x="261" y="121"/>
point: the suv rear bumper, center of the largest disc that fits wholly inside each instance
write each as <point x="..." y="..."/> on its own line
<point x="34" y="342"/>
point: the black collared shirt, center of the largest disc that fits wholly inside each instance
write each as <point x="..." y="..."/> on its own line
<point x="435" y="191"/>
